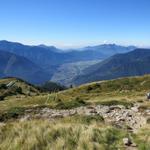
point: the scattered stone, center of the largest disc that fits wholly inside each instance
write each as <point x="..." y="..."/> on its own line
<point x="25" y="118"/>
<point x="148" y="96"/>
<point x="2" y="124"/>
<point x="129" y="128"/>
<point x="135" y="109"/>
<point x="93" y="111"/>
<point x="134" y="145"/>
<point x="147" y="112"/>
<point x="127" y="141"/>
<point x="118" y="114"/>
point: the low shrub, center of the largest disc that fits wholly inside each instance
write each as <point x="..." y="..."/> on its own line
<point x="70" y="104"/>
<point x="148" y="120"/>
<point x="115" y="102"/>
<point x="3" y="86"/>
<point x="89" y="119"/>
<point x="2" y="97"/>
<point x="109" y="139"/>
<point x="43" y="135"/>
<point x="12" y="113"/>
<point x="19" y="90"/>
<point x="89" y="88"/>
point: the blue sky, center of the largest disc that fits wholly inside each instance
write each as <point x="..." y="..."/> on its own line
<point x="71" y="23"/>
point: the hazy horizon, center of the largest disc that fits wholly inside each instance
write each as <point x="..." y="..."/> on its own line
<point x="69" y="47"/>
<point x="72" y="24"/>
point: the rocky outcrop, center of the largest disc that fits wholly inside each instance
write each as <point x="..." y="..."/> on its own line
<point x="118" y="115"/>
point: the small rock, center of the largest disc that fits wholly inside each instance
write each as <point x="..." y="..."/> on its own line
<point x="135" y="109"/>
<point x="134" y="145"/>
<point x="148" y="96"/>
<point x="127" y="141"/>
<point x="93" y="111"/>
<point x="2" y="124"/>
<point x="25" y="118"/>
<point x="90" y="107"/>
<point x="148" y="111"/>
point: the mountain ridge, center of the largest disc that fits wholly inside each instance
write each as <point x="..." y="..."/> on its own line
<point x="13" y="65"/>
<point x="50" y="59"/>
<point x="120" y="65"/>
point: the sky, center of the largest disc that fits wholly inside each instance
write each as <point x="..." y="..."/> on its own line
<point x="75" y="23"/>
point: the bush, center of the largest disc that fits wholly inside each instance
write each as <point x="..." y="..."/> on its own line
<point x="71" y="104"/>
<point x="148" y="120"/>
<point x="115" y="102"/>
<point x="52" y="87"/>
<point x="12" y="113"/>
<point x="89" y="119"/>
<point x="19" y="90"/>
<point x="2" y="97"/>
<point x="89" y="88"/>
<point x="109" y="139"/>
<point x="3" y="86"/>
<point x="59" y="135"/>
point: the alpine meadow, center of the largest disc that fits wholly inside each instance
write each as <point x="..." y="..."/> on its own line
<point x="75" y="75"/>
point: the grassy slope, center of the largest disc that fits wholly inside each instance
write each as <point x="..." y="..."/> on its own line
<point x="125" y="90"/>
<point x="68" y="133"/>
<point x="26" y="87"/>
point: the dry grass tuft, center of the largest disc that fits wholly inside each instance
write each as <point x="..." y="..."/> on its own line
<point x="60" y="134"/>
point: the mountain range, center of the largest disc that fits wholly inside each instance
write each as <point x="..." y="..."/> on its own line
<point x="50" y="59"/>
<point x="12" y="65"/>
<point x="133" y="63"/>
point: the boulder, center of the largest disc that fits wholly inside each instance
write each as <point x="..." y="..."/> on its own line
<point x="127" y="142"/>
<point x="148" y="96"/>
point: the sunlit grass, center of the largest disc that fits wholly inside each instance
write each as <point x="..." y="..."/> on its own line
<point x="68" y="134"/>
<point x="143" y="138"/>
<point x="77" y="132"/>
<point x="126" y="90"/>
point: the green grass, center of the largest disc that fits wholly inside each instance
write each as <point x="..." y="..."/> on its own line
<point x="82" y="119"/>
<point x="124" y="91"/>
<point x="76" y="132"/>
<point x="60" y="134"/>
<point x="12" y="113"/>
<point x="19" y="87"/>
<point x="132" y="89"/>
<point x="70" y="104"/>
<point x="142" y="138"/>
<point x="116" y="102"/>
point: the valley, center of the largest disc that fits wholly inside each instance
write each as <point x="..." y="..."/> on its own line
<point x="74" y="75"/>
<point x="132" y="63"/>
<point x="66" y="73"/>
<point x="49" y="63"/>
<point x="60" y="96"/>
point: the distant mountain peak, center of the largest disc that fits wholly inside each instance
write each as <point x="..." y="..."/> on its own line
<point x="109" y="46"/>
<point x="9" y="42"/>
<point x="13" y="65"/>
<point x="46" y="46"/>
